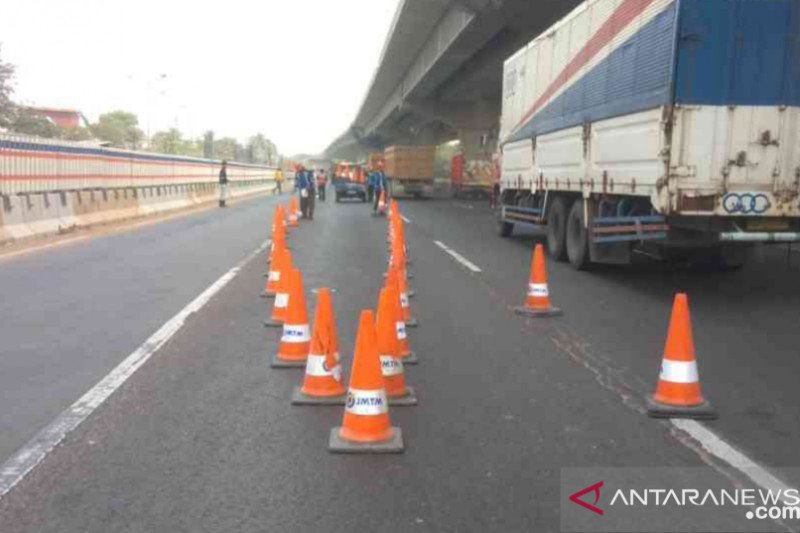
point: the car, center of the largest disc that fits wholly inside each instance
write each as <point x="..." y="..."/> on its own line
<point x="346" y="189"/>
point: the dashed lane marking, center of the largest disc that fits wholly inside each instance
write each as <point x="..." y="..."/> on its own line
<point x="406" y="220"/>
<point x="34" y="452"/>
<point x="458" y="257"/>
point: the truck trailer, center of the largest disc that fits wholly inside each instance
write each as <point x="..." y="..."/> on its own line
<point x="410" y="169"/>
<point x="664" y="126"/>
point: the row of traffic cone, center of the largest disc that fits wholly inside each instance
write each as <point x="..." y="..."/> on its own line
<point x="381" y="345"/>
<point x="678" y="393"/>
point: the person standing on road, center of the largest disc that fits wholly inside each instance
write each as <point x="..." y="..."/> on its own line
<point x="380" y="186"/>
<point x="322" y="181"/>
<point x="278" y="181"/>
<point x="223" y="183"/>
<point x="370" y="185"/>
<point x="305" y="184"/>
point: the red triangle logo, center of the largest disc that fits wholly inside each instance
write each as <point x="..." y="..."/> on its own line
<point x="575" y="498"/>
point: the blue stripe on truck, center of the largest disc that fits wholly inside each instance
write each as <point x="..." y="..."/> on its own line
<point x="634" y="77"/>
<point x="738" y="52"/>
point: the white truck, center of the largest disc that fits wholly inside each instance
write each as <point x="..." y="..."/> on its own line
<point x="671" y="126"/>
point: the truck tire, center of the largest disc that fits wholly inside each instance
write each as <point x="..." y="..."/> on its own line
<point x="557" y="229"/>
<point x="577" y="238"/>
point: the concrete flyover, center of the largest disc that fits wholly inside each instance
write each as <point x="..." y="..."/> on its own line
<point x="439" y="76"/>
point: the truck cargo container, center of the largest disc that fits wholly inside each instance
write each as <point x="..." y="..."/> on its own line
<point x="410" y="169"/>
<point x="664" y="125"/>
<point x="470" y="177"/>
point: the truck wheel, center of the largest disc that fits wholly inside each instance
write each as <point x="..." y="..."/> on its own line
<point x="557" y="229"/>
<point x="504" y="229"/>
<point x="577" y="238"/>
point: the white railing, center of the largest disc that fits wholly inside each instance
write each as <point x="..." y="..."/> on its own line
<point x="33" y="164"/>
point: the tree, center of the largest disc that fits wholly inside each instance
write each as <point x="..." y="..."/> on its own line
<point x="208" y="144"/>
<point x="76" y="134"/>
<point x="7" y="108"/>
<point x="167" y="142"/>
<point x="119" y="128"/>
<point x="226" y="148"/>
<point x="29" y="122"/>
<point x="261" y="150"/>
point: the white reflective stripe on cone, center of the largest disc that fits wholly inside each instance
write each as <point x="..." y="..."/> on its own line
<point x="295" y="333"/>
<point x="282" y="299"/>
<point x="679" y="371"/>
<point x="391" y="366"/>
<point x="366" y="402"/>
<point x="274" y="275"/>
<point x="316" y="367"/>
<point x="404" y="299"/>
<point x="538" y="290"/>
<point x="401" y="330"/>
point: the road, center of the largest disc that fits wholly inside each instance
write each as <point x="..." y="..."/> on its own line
<point x="202" y="436"/>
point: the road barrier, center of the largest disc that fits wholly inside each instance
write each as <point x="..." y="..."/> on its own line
<point x="49" y="186"/>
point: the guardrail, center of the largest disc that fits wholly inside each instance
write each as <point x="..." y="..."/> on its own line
<point x="32" y="164"/>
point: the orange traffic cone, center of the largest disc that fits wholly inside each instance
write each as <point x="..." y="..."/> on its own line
<point x="537" y="304"/>
<point x="405" y="305"/>
<point x="408" y="357"/>
<point x="281" y="305"/>
<point x="277" y="267"/>
<point x="365" y="426"/>
<point x="322" y="383"/>
<point x="678" y="392"/>
<point x="292" y="215"/>
<point x="398" y="255"/>
<point x="296" y="339"/>
<point x="391" y="362"/>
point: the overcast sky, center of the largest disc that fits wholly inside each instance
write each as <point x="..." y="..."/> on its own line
<point x="295" y="70"/>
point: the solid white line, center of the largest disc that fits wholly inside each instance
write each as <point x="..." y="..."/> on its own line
<point x="458" y="257"/>
<point x="32" y="453"/>
<point x="714" y="445"/>
<point x="406" y="220"/>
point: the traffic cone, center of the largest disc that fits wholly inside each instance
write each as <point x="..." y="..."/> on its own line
<point x="277" y="267"/>
<point x="292" y="215"/>
<point x="322" y="383"/>
<point x="398" y="255"/>
<point x="296" y="339"/>
<point x="678" y="392"/>
<point x="391" y="362"/>
<point x="408" y="357"/>
<point x="281" y="305"/>
<point x="405" y="305"/>
<point x="537" y="304"/>
<point x="365" y="426"/>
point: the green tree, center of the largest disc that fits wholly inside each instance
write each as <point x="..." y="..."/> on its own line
<point x="29" y="122"/>
<point x="226" y="148"/>
<point x="7" y="108"/>
<point x="76" y="134"/>
<point x="119" y="128"/>
<point x="167" y="142"/>
<point x="208" y="144"/>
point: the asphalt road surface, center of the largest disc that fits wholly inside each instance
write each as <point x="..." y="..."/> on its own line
<point x="203" y="438"/>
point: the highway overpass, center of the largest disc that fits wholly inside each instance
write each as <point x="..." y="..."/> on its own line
<point x="439" y="75"/>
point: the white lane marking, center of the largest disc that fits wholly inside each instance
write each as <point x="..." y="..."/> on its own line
<point x="406" y="220"/>
<point x="32" y="453"/>
<point x="717" y="447"/>
<point x="458" y="257"/>
<point x="465" y="206"/>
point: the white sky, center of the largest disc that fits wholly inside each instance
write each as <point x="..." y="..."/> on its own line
<point x="295" y="70"/>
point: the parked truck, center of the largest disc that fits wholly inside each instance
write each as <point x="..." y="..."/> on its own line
<point x="668" y="126"/>
<point x="410" y="169"/>
<point x="470" y="178"/>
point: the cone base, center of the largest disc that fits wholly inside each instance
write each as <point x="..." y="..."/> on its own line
<point x="538" y="313"/>
<point x="378" y="214"/>
<point x="393" y="445"/>
<point x="298" y="398"/>
<point x="412" y="323"/>
<point x="411" y="293"/>
<point x="704" y="411"/>
<point x="267" y="295"/>
<point x="282" y="363"/>
<point x="269" y="323"/>
<point x="410" y="359"/>
<point x="409" y="398"/>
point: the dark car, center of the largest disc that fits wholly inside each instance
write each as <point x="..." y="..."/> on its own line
<point x="344" y="188"/>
